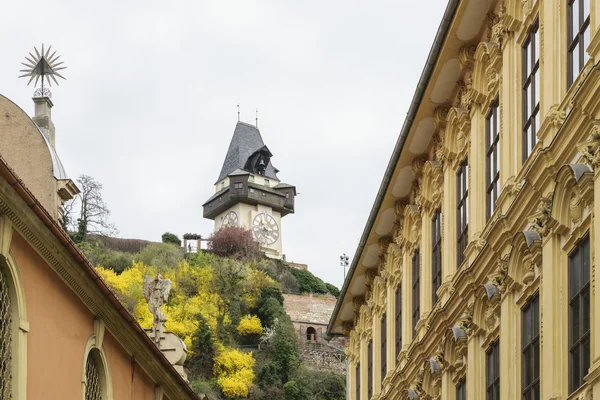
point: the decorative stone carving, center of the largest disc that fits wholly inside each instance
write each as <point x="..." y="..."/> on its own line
<point x="527" y="6"/>
<point x="384" y="243"/>
<point x="512" y="186"/>
<point x="466" y="95"/>
<point x="501" y="272"/>
<point x="156" y="292"/>
<point x="590" y="149"/>
<point x="529" y="267"/>
<point x="478" y="241"/>
<point x="357" y="302"/>
<point x="576" y="206"/>
<point x="587" y="394"/>
<point x="466" y="322"/>
<point x="466" y="56"/>
<point x="417" y="169"/>
<point x="556" y="116"/>
<point x="347" y="327"/>
<point x="498" y="29"/>
<point x="539" y="220"/>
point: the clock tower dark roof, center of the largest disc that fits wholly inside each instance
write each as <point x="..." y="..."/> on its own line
<point x="248" y="152"/>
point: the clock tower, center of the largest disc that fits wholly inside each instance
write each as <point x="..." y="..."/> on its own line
<point x="248" y="192"/>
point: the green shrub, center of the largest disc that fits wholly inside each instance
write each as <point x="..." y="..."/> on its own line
<point x="289" y="283"/>
<point x="308" y="282"/>
<point x="169" y="237"/>
<point x="335" y="292"/>
<point x="160" y="255"/>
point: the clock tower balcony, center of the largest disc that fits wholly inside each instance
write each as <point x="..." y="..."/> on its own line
<point x="244" y="191"/>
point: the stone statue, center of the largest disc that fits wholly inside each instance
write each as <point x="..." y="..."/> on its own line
<point x="157" y="292"/>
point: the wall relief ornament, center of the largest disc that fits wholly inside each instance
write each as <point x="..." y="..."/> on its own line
<point x="466" y="56"/>
<point x="556" y="116"/>
<point x="529" y="270"/>
<point x="501" y="273"/>
<point x="587" y="394"/>
<point x="512" y="186"/>
<point x="440" y="115"/>
<point x="539" y="220"/>
<point x="478" y="241"/>
<point x="357" y="302"/>
<point x="590" y="149"/>
<point x="497" y="25"/>
<point x="576" y="206"/>
<point x="466" y="95"/>
<point x="527" y="7"/>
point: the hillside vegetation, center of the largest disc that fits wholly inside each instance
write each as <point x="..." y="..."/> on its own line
<point x="227" y="306"/>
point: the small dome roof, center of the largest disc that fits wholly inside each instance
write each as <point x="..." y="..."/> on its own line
<point x="57" y="167"/>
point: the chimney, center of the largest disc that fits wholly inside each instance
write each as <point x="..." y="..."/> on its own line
<point x="43" y="116"/>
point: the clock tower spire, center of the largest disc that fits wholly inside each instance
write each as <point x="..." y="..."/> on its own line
<point x="248" y="192"/>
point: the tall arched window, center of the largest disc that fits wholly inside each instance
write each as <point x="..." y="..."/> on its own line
<point x="97" y="383"/>
<point x="5" y="339"/>
<point x="93" y="377"/>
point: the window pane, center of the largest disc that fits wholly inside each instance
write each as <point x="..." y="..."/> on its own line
<point x="586" y="357"/>
<point x="586" y="43"/>
<point x="576" y="66"/>
<point x="529" y="100"/>
<point x="575" y="319"/>
<point x="536" y="81"/>
<point x="575" y="16"/>
<point x="537" y="45"/>
<point x="586" y="312"/>
<point x="575" y="366"/>
<point x="536" y="317"/>
<point x="586" y="8"/>
<point x="536" y="361"/>
<point x="574" y="275"/>
<point x="497" y="167"/>
<point x="527" y="368"/>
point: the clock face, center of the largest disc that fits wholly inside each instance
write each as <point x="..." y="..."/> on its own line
<point x="230" y="219"/>
<point x="265" y="229"/>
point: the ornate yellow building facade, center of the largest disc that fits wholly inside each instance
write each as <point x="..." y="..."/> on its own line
<point x="475" y="275"/>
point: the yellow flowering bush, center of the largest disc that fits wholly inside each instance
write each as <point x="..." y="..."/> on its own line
<point x="233" y="372"/>
<point x="249" y="326"/>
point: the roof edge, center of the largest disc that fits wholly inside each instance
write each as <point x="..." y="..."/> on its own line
<point x="432" y="58"/>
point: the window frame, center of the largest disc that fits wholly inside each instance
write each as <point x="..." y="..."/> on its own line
<point x="357" y="380"/>
<point x="398" y="322"/>
<point x="530" y="348"/>
<point x="492" y="152"/>
<point x="370" y="369"/>
<point x="462" y="210"/>
<point x="579" y="344"/>
<point x="461" y="389"/>
<point x="530" y="78"/>
<point x="436" y="254"/>
<point x="6" y="327"/>
<point x="578" y="41"/>
<point x="492" y="360"/>
<point x="416" y="291"/>
<point x="383" y="340"/>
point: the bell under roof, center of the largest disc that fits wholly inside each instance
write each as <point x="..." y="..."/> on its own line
<point x="245" y="142"/>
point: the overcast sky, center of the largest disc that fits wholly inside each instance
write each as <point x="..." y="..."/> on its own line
<point x="149" y="105"/>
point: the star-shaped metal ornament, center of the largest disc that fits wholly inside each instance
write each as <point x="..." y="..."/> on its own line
<point x="43" y="65"/>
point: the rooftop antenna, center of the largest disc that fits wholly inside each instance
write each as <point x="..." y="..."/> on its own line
<point x="238" y="112"/>
<point x="257" y="117"/>
<point x="43" y="65"/>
